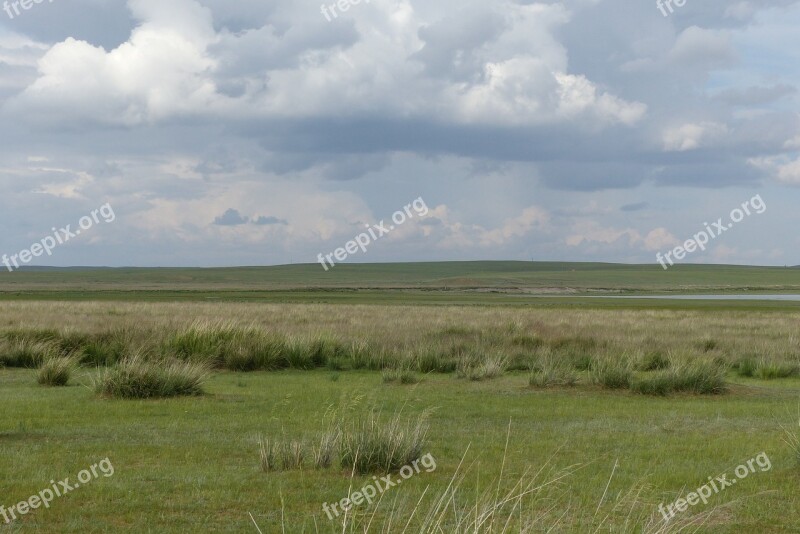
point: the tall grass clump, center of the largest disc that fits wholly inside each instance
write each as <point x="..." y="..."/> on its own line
<point x="399" y="375"/>
<point x="56" y="371"/>
<point x="268" y="455"/>
<point x="699" y="377"/>
<point x="362" y="355"/>
<point x="254" y="351"/>
<point x="612" y="374"/>
<point x="31" y="334"/>
<point x="107" y="348"/>
<point x="27" y="354"/>
<point x="225" y="346"/>
<point x="433" y="360"/>
<point x="578" y="351"/>
<point x="746" y="367"/>
<point x="202" y="342"/>
<point x="487" y="368"/>
<point x="653" y="360"/>
<point x="792" y="438"/>
<point x="552" y="374"/>
<point x="293" y="454"/>
<point x="707" y="345"/>
<point x="372" y="445"/>
<point x="281" y="455"/>
<point x="770" y="370"/>
<point x="525" y="341"/>
<point x="138" y="378"/>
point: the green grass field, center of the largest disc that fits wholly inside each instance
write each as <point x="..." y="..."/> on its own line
<point x="585" y="457"/>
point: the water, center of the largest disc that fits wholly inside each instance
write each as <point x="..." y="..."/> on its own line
<point x="788" y="297"/>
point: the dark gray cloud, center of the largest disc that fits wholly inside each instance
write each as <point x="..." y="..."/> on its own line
<point x="231" y="218"/>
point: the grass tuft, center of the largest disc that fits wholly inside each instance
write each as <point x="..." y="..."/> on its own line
<point x="402" y="376"/>
<point x="55" y="372"/>
<point x="137" y="378"/>
<point x="27" y="353"/>
<point x="612" y="374"/>
<point x="699" y="377"/>
<point x="371" y="445"/>
<point x="553" y="375"/>
<point x="652" y="361"/>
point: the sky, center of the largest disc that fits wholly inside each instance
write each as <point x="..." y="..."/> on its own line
<point x="263" y="132"/>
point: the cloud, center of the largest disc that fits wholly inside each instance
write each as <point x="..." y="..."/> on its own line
<point x="756" y="95"/>
<point x="266" y="221"/>
<point x="692" y="136"/>
<point x="231" y="218"/>
<point x="161" y="71"/>
<point x="660" y="239"/>
<point x="638" y="206"/>
<point x="529" y="125"/>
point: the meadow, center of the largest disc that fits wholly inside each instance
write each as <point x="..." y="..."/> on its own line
<point x="542" y="415"/>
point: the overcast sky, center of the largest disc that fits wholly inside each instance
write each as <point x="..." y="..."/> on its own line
<point x="258" y="132"/>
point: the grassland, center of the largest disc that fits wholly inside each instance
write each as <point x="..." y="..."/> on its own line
<point x="600" y="458"/>
<point x="514" y="277"/>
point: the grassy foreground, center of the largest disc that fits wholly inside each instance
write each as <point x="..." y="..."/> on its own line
<point x="583" y="458"/>
<point x="192" y="464"/>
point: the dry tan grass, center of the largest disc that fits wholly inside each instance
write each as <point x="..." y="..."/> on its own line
<point x="762" y="333"/>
